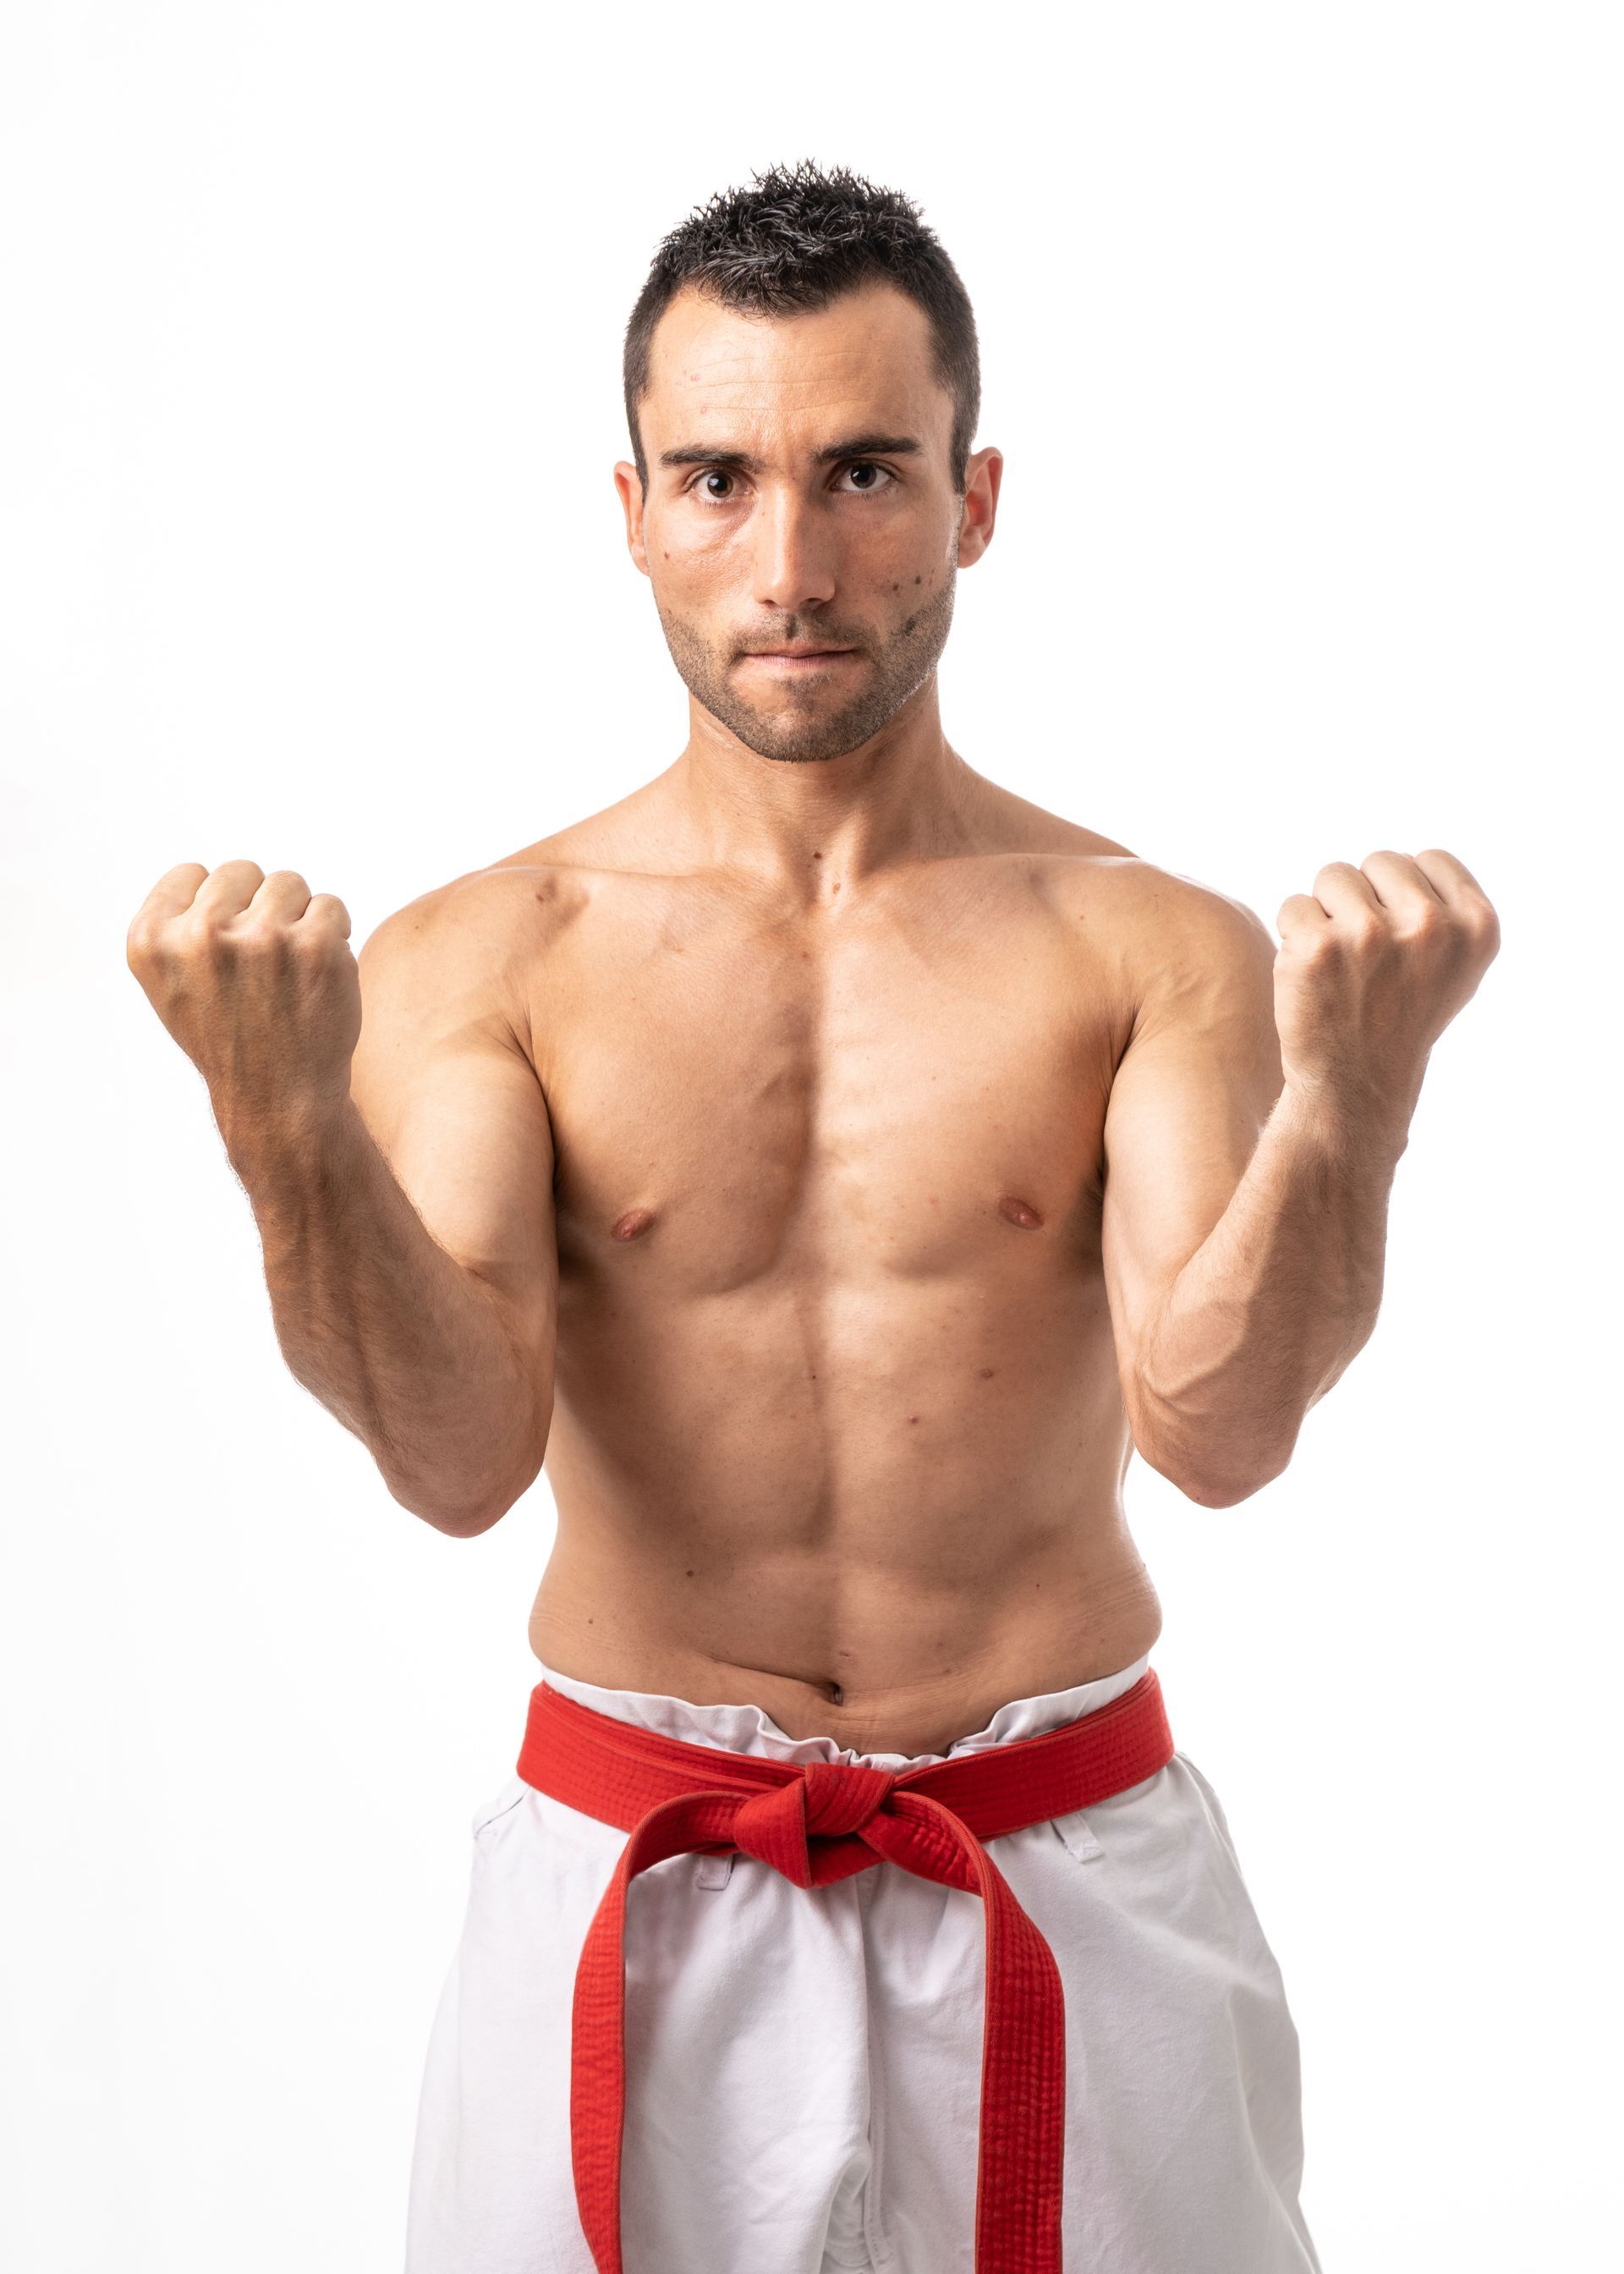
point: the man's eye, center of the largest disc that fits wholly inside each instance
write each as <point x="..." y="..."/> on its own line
<point x="717" y="487"/>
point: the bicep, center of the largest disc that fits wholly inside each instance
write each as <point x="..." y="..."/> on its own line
<point x="1195" y="1084"/>
<point x="451" y="1100"/>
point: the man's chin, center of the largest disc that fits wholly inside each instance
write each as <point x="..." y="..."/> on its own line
<point x="774" y="736"/>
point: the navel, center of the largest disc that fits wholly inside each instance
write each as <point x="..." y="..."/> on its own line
<point x="631" y="1223"/>
<point x="1020" y="1212"/>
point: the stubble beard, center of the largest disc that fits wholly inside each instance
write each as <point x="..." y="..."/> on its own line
<point x="800" y="730"/>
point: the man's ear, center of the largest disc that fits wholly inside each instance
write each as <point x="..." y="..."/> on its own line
<point x="629" y="481"/>
<point x="977" y="512"/>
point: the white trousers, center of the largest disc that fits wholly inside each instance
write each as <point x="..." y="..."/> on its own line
<point x="803" y="2065"/>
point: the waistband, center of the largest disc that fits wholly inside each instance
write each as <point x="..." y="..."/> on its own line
<point x="818" y="1822"/>
<point x="751" y="1728"/>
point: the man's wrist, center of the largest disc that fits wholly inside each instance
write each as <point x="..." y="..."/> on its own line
<point x="1347" y="1134"/>
<point x="288" y="1150"/>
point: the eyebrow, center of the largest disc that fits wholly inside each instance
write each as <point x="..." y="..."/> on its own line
<point x="856" y="445"/>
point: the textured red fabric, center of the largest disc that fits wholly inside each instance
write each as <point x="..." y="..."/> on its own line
<point x="820" y="1822"/>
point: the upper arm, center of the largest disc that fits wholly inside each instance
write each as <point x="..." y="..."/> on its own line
<point x="451" y="1099"/>
<point x="1197" y="1082"/>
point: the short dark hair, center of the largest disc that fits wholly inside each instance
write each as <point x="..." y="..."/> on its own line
<point x="798" y="240"/>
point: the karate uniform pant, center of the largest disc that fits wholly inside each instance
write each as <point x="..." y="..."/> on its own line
<point x="803" y="2065"/>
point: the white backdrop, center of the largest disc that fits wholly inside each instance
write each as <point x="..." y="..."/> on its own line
<point x="1301" y="335"/>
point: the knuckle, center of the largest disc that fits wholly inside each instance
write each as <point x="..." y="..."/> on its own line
<point x="201" y="926"/>
<point x="214" y="936"/>
<point x="264" y="935"/>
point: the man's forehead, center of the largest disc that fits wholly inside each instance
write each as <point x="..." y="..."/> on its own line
<point x="867" y="355"/>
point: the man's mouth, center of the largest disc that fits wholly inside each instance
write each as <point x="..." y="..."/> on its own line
<point x="797" y="658"/>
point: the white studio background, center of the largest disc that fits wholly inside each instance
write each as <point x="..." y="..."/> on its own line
<point x="1301" y="335"/>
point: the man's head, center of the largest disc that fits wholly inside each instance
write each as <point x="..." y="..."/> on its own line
<point x="803" y="387"/>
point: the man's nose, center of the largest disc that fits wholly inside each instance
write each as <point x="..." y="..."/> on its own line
<point x="795" y="561"/>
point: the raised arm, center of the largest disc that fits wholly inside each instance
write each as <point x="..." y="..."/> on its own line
<point x="454" y="1110"/>
<point x="1194" y="1088"/>
<point x="395" y="1146"/>
<point x="1253" y="1128"/>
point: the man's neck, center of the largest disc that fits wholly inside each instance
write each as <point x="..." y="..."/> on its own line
<point x="812" y="826"/>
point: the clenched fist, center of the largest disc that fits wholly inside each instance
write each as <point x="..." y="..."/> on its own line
<point x="1372" y="966"/>
<point x="254" y="977"/>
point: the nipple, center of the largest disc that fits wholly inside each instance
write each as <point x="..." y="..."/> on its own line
<point x="1020" y="1212"/>
<point x="631" y="1223"/>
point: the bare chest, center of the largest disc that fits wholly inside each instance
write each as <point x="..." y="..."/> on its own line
<point x="883" y="1099"/>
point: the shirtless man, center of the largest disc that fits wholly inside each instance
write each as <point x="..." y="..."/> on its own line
<point x="832" y="1167"/>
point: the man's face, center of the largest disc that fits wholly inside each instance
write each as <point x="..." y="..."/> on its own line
<point x="800" y="494"/>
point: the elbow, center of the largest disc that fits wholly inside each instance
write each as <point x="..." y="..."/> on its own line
<point x="1209" y="1482"/>
<point x="466" y="1523"/>
<point x="1217" y="1486"/>
<point x="1208" y="1491"/>
<point x="457" y="1516"/>
<point x="464" y="1515"/>
<point x="461" y="1519"/>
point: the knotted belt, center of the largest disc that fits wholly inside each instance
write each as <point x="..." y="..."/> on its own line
<point x="818" y="1822"/>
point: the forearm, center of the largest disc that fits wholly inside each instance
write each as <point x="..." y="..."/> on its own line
<point x="1270" y="1308"/>
<point x="408" y="1350"/>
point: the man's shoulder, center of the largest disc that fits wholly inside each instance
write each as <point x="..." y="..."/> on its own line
<point x="484" y="942"/>
<point x="1092" y="874"/>
<point x="1166" y="903"/>
<point x="534" y="893"/>
<point x="1165" y="948"/>
<point x="471" y="950"/>
<point x="1143" y="903"/>
<point x="515" y="902"/>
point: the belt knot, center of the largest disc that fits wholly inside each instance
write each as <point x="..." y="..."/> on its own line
<point x="829" y="1800"/>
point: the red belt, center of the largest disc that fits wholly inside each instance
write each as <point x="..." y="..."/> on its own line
<point x="823" y="1821"/>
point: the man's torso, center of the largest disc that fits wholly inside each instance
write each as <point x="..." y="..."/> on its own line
<point x="837" y="1425"/>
